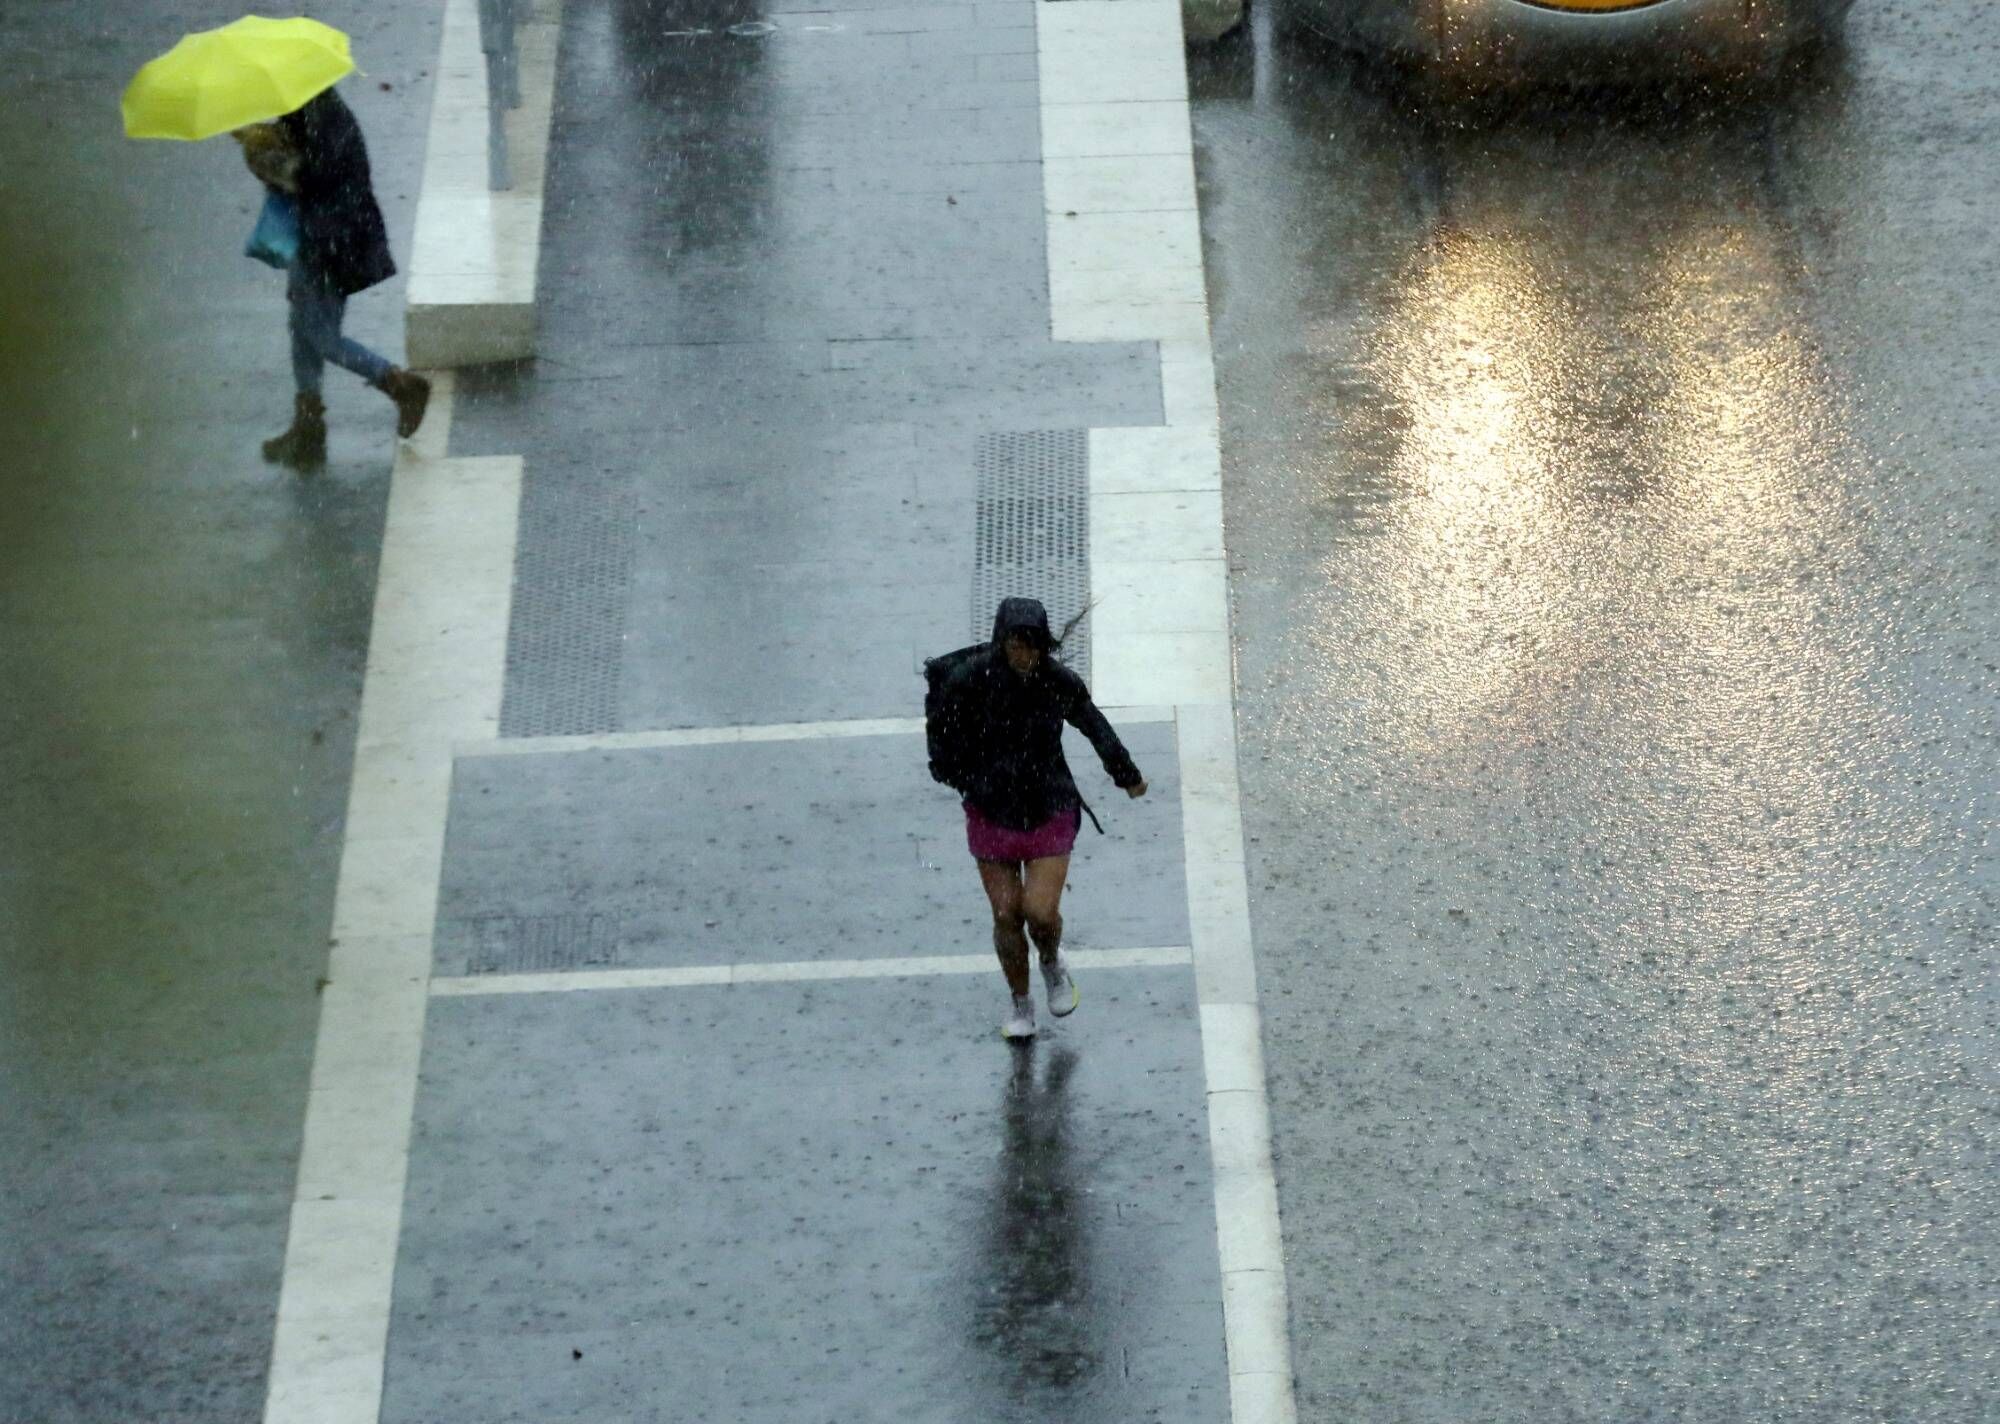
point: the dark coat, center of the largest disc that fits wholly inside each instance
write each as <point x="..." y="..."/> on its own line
<point x="342" y="239"/>
<point x="997" y="740"/>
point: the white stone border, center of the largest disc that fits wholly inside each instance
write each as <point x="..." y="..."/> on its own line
<point x="1124" y="253"/>
<point x="802" y="971"/>
<point x="740" y="733"/>
<point x="435" y="660"/>
<point x="473" y="260"/>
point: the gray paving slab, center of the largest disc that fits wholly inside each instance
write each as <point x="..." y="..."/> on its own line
<point x="987" y="40"/>
<point x="841" y="7"/>
<point x="787" y="1203"/>
<point x="1004" y="16"/>
<point x="773" y="851"/>
<point x="769" y="361"/>
<point x="812" y="666"/>
<point x="749" y="447"/>
<point x="906" y="19"/>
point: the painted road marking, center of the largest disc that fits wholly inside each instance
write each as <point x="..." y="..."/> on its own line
<point x="434" y="673"/>
<point x="752" y="30"/>
<point x="725" y="736"/>
<point x="797" y="971"/>
<point x="694" y="737"/>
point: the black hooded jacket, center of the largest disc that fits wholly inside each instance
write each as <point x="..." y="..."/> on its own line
<point x="996" y="737"/>
<point x="342" y="238"/>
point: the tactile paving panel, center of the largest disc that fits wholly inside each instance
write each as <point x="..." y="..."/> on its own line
<point x="518" y="944"/>
<point x="566" y="642"/>
<point x="1032" y="536"/>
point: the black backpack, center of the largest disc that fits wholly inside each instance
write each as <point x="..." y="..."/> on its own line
<point x="952" y="755"/>
<point x="945" y="732"/>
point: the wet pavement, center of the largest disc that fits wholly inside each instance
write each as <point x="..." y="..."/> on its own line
<point x="1612" y="540"/>
<point x="184" y="631"/>
<point x="1612" y="549"/>
<point x="763" y="1203"/>
<point x="791" y="276"/>
<point x="698" y="1135"/>
<point x="769" y="392"/>
<point x="570" y="846"/>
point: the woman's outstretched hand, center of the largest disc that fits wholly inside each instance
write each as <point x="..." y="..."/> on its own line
<point x="1135" y="792"/>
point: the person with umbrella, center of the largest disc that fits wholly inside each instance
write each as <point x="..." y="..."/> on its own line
<point x="269" y="84"/>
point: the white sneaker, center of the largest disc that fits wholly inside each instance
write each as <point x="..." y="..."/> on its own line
<point x="1064" y="996"/>
<point x="1021" y="1024"/>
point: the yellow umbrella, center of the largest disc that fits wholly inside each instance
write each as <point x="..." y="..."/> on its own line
<point x="243" y="73"/>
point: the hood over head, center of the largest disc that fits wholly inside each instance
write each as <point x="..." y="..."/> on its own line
<point x="1026" y="617"/>
<point x="328" y="139"/>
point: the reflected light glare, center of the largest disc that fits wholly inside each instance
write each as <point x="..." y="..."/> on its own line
<point x="1585" y="524"/>
<point x="1458" y="365"/>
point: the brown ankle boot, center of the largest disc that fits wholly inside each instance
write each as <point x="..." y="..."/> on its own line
<point x="303" y="447"/>
<point x="412" y="395"/>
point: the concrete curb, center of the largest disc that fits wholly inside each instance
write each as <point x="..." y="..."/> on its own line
<point x="474" y="257"/>
<point x="1124" y="253"/>
<point x="436" y="658"/>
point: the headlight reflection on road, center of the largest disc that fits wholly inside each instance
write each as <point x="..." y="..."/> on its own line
<point x="1469" y="445"/>
<point x="1590" y="522"/>
<point x="1760" y="707"/>
<point x="1595" y="593"/>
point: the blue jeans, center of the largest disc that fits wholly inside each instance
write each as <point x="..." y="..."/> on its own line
<point x="317" y="310"/>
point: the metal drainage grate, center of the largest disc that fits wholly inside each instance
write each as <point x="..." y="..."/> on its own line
<point x="525" y="944"/>
<point x="572" y="585"/>
<point x="1032" y="536"/>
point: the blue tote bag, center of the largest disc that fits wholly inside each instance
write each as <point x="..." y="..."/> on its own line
<point x="275" y="239"/>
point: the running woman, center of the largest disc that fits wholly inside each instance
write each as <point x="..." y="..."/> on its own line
<point x="995" y="720"/>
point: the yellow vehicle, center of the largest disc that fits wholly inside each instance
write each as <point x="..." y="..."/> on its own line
<point x="1480" y="44"/>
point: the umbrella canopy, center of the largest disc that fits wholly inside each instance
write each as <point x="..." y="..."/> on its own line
<point x="244" y="73"/>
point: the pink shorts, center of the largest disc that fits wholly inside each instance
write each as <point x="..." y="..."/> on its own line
<point x="1055" y="836"/>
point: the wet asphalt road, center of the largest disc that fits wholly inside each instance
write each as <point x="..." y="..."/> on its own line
<point x="182" y="631"/>
<point x="1613" y="530"/>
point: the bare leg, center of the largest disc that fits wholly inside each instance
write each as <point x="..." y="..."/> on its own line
<point x="1002" y="879"/>
<point x="1041" y="903"/>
